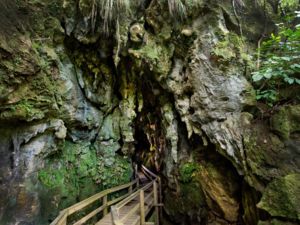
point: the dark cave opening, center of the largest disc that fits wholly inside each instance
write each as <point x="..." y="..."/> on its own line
<point x="149" y="133"/>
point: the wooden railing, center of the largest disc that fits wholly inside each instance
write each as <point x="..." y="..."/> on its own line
<point x="106" y="203"/>
<point x="145" y="170"/>
<point x="139" y="209"/>
<point x="153" y="197"/>
<point x="134" y="192"/>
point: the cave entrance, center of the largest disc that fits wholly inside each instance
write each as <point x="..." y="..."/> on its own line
<point x="149" y="132"/>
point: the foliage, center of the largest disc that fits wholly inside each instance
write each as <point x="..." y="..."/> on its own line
<point x="291" y="4"/>
<point x="187" y="172"/>
<point x="52" y="178"/>
<point x="111" y="176"/>
<point x="281" y="62"/>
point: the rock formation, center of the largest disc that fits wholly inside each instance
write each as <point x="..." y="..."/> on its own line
<point x="85" y="90"/>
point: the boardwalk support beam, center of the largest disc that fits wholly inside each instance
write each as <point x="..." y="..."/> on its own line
<point x="105" y="211"/>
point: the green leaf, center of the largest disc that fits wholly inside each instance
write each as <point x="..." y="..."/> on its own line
<point x="257" y="76"/>
<point x="289" y="80"/>
<point x="268" y="74"/>
<point x="259" y="97"/>
<point x="285" y="58"/>
<point x="295" y="66"/>
<point x="280" y="56"/>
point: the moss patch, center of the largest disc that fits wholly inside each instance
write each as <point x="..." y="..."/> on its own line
<point x="286" y="121"/>
<point x="77" y="173"/>
<point x="189" y="201"/>
<point x="156" y="55"/>
<point x="187" y="172"/>
<point x="282" y="196"/>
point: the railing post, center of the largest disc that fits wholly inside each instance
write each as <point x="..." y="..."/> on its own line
<point x="115" y="216"/>
<point x="130" y="189"/>
<point x="155" y="195"/>
<point x="105" y="210"/>
<point x="159" y="190"/>
<point x="160" y="196"/>
<point x="136" y="171"/>
<point x="142" y="207"/>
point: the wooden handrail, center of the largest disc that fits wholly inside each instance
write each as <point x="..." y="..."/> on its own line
<point x="159" y="194"/>
<point x="152" y="198"/>
<point x="132" y="196"/>
<point x="147" y="171"/>
<point x="63" y="215"/>
<point x="139" y="208"/>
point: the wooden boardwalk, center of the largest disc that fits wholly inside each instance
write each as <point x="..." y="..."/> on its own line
<point x="131" y="208"/>
<point x="133" y="219"/>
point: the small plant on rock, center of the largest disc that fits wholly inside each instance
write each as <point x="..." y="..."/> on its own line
<point x="280" y="68"/>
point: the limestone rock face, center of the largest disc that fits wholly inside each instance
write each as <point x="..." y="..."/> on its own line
<point x="22" y="152"/>
<point x="48" y="120"/>
<point x="86" y="89"/>
<point x="218" y="103"/>
<point x="220" y="193"/>
<point x="217" y="93"/>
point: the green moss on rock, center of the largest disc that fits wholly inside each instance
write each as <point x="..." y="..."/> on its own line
<point x="286" y="121"/>
<point x="156" y="55"/>
<point x="77" y="173"/>
<point x="52" y="178"/>
<point x="119" y="173"/>
<point x="268" y="156"/>
<point x="187" y="172"/>
<point x="190" y="200"/>
<point x="228" y="46"/>
<point x="282" y="196"/>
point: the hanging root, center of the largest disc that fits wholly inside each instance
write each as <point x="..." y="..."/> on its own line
<point x="238" y="4"/>
<point x="94" y="14"/>
<point x="176" y="9"/>
<point x="110" y="11"/>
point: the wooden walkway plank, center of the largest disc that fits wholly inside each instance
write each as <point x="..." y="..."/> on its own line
<point x="131" y="208"/>
<point x="133" y="219"/>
